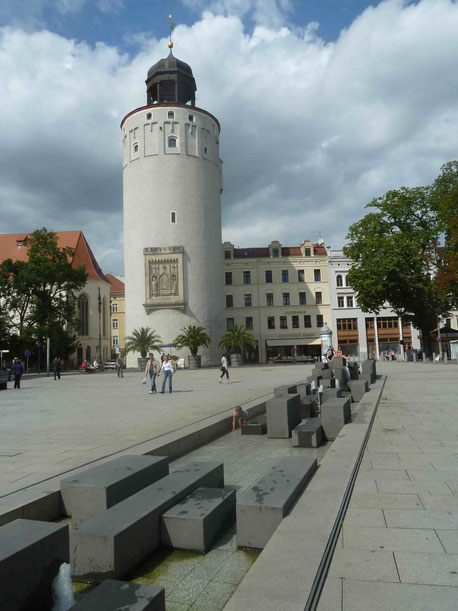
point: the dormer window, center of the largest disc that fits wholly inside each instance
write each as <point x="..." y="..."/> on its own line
<point x="172" y="143"/>
<point x="170" y="114"/>
<point x="275" y="252"/>
<point x="20" y="243"/>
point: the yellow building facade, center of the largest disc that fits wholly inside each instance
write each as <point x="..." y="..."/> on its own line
<point x="117" y="315"/>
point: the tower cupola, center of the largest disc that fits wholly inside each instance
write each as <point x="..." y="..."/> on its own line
<point x="170" y="81"/>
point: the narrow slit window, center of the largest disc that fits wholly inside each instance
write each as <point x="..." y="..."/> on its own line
<point x="173" y="217"/>
<point x="190" y="117"/>
<point x="135" y="147"/>
<point x="149" y="116"/>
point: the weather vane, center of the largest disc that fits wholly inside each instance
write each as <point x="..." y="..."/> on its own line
<point x="171" y="27"/>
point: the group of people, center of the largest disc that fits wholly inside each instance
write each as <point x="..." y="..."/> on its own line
<point x="389" y="355"/>
<point x="155" y="368"/>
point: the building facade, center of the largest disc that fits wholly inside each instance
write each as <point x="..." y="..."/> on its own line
<point x="117" y="315"/>
<point x="172" y="184"/>
<point x="357" y="333"/>
<point x="280" y="294"/>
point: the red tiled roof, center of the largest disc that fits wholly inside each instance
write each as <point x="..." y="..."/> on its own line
<point x="117" y="285"/>
<point x="286" y="251"/>
<point x="9" y="249"/>
<point x="239" y="253"/>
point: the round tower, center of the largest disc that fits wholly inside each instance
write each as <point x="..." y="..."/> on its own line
<point x="172" y="185"/>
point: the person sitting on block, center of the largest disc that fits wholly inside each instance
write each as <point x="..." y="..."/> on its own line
<point x="240" y="417"/>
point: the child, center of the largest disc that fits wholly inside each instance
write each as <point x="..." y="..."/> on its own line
<point x="240" y="417"/>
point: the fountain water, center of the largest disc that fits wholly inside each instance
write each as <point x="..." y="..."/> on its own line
<point x="62" y="589"/>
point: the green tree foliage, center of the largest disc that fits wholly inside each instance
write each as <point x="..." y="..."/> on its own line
<point x="396" y="257"/>
<point x="38" y="295"/>
<point x="143" y="340"/>
<point x="237" y="339"/>
<point x="193" y="337"/>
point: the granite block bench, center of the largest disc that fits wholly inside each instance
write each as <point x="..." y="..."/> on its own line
<point x="328" y="382"/>
<point x="283" y="414"/>
<point x="112" y="595"/>
<point x="303" y="389"/>
<point x="114" y="541"/>
<point x="335" y="413"/>
<point x="369" y="367"/>
<point x="285" y="390"/>
<point x="101" y="487"/>
<point x="308" y="434"/>
<point x="358" y="388"/>
<point x="261" y="509"/>
<point x="194" y="522"/>
<point x="330" y="393"/>
<point x="31" y="553"/>
<point x="367" y="378"/>
<point x="309" y="406"/>
<point x="256" y="426"/>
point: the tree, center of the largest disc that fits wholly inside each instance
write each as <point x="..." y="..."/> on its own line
<point x="237" y="339"/>
<point x="143" y="340"/>
<point x="396" y="259"/>
<point x="193" y="337"/>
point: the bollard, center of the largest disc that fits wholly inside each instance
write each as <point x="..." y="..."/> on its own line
<point x="434" y="357"/>
<point x="445" y="358"/>
<point x="424" y="358"/>
<point x="414" y="357"/>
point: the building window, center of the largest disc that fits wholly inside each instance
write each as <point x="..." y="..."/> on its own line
<point x="300" y="275"/>
<point x="295" y="322"/>
<point x="308" y="252"/>
<point x="229" y="323"/>
<point x="115" y="341"/>
<point x="205" y="150"/>
<point x="114" y="307"/>
<point x="227" y="254"/>
<point x="349" y="324"/>
<point x="275" y="252"/>
<point x="115" y="323"/>
<point x="249" y="322"/>
<point x="340" y="302"/>
<point x="172" y="143"/>
<point x="349" y="302"/>
<point x="173" y="217"/>
<point x="271" y="322"/>
<point x="285" y="298"/>
<point x="346" y="281"/>
<point x="149" y="116"/>
<point x="283" y="322"/>
<point x="246" y="277"/>
<point x="302" y="299"/>
<point x="135" y="147"/>
<point x="228" y="278"/>
<point x="317" y="275"/>
<point x="319" y="320"/>
<point x="83" y="314"/>
<point x="318" y="297"/>
<point x="284" y="275"/>
<point x="170" y="114"/>
<point x="229" y="301"/>
<point x="339" y="280"/>
<point x="307" y="320"/>
<point x="269" y="299"/>
<point x="248" y="300"/>
<point x="268" y="274"/>
<point x="190" y="117"/>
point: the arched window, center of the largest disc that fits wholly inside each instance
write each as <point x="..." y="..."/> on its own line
<point x="172" y="143"/>
<point x="339" y="280"/>
<point x="83" y="314"/>
<point x="135" y="147"/>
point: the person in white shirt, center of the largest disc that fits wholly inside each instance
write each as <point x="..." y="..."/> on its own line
<point x="224" y="369"/>
<point x="168" y="371"/>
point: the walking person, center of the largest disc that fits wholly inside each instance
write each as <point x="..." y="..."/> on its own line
<point x="152" y="369"/>
<point x="119" y="366"/>
<point x="17" y="370"/>
<point x="56" y="367"/>
<point x="168" y="371"/>
<point x="224" y="369"/>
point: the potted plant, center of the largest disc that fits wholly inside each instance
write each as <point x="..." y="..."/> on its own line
<point x="193" y="337"/>
<point x="143" y="340"/>
<point x="236" y="340"/>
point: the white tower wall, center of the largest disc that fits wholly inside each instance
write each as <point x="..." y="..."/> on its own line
<point x="159" y="179"/>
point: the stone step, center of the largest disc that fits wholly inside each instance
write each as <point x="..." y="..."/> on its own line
<point x="261" y="509"/>
<point x="114" y="541"/>
<point x="112" y="595"/>
<point x="308" y="434"/>
<point x="31" y="553"/>
<point x="101" y="487"/>
<point x="335" y="413"/>
<point x="283" y="414"/>
<point x="256" y="426"/>
<point x="194" y="522"/>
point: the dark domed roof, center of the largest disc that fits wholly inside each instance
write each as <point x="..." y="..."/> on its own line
<point x="168" y="64"/>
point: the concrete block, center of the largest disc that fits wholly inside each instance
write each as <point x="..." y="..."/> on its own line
<point x="367" y="378"/>
<point x="335" y="413"/>
<point x="285" y="390"/>
<point x="114" y="541"/>
<point x="369" y="366"/>
<point x="261" y="509"/>
<point x="338" y="361"/>
<point x="194" y="522"/>
<point x="308" y="434"/>
<point x="31" y="553"/>
<point x="309" y="407"/>
<point x="319" y="365"/>
<point x="329" y="383"/>
<point x="101" y="487"/>
<point x="358" y="388"/>
<point x="303" y="389"/>
<point x="354" y="370"/>
<point x="256" y="426"/>
<point x="113" y="595"/>
<point x="340" y="373"/>
<point x="330" y="393"/>
<point x="326" y="374"/>
<point x="283" y="414"/>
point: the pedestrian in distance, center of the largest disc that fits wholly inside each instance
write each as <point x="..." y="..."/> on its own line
<point x="224" y="369"/>
<point x="152" y="369"/>
<point x="168" y="371"/>
<point x="119" y="366"/>
<point x="239" y="418"/>
<point x="56" y="368"/>
<point x="17" y="370"/>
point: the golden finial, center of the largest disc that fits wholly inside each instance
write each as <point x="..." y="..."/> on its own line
<point x="171" y="28"/>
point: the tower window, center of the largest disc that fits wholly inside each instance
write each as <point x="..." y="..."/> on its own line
<point x="135" y="147"/>
<point x="170" y="114"/>
<point x="190" y="117"/>
<point x="149" y="116"/>
<point x="205" y="150"/>
<point x="172" y="143"/>
<point x="173" y="217"/>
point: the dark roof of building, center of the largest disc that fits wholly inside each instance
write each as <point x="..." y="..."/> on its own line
<point x="286" y="251"/>
<point x="169" y="64"/>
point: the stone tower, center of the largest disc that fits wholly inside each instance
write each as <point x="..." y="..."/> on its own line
<point x="172" y="185"/>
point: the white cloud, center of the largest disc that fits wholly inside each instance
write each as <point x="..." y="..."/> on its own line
<point x="265" y="12"/>
<point x="311" y="131"/>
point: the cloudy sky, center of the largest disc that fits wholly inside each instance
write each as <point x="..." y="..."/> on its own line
<point x="323" y="104"/>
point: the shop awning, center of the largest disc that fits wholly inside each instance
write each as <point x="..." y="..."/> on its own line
<point x="300" y="341"/>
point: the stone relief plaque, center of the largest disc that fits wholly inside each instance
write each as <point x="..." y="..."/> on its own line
<point x="164" y="278"/>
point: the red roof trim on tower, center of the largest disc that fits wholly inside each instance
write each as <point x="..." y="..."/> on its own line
<point x="190" y="108"/>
